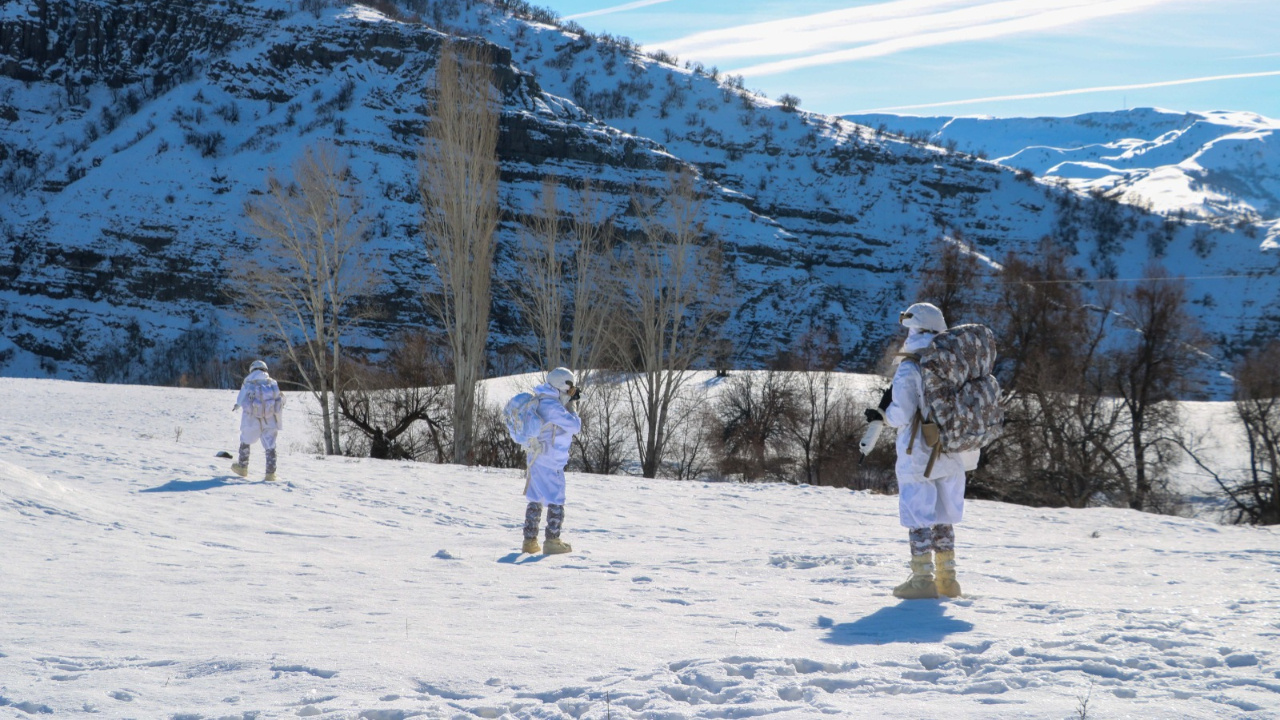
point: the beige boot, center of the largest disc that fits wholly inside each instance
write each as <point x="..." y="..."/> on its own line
<point x="555" y="546"/>
<point x="241" y="470"/>
<point x="531" y="546"/>
<point x="920" y="585"/>
<point x="269" y="477"/>
<point x="946" y="583"/>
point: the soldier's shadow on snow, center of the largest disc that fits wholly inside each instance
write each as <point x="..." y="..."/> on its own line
<point x="516" y="558"/>
<point x="189" y="485"/>
<point x="908" y="621"/>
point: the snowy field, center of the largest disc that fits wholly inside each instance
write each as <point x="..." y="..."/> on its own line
<point x="140" y="579"/>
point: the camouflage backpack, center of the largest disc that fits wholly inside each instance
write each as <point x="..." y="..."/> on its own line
<point x="961" y="397"/>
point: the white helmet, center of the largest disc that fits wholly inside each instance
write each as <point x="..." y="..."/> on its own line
<point x="561" y="379"/>
<point x="258" y="365"/>
<point x="923" y="316"/>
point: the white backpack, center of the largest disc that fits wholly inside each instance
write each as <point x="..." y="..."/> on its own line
<point x="522" y="420"/>
<point x="263" y="401"/>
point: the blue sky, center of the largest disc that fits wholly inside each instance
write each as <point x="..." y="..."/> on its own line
<point x="970" y="57"/>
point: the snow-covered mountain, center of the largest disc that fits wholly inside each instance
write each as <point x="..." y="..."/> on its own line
<point x="133" y="131"/>
<point x="1215" y="166"/>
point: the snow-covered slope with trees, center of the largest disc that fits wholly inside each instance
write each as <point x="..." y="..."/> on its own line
<point x="142" y="579"/>
<point x="132" y="133"/>
<point x="1216" y="165"/>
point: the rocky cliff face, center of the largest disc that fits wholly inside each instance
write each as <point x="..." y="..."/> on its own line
<point x="132" y="132"/>
<point x="124" y="223"/>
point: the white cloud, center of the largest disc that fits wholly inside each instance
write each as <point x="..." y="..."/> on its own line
<point x="1078" y="91"/>
<point x="780" y="37"/>
<point x="1254" y="57"/>
<point x="887" y="28"/>
<point x="616" y="9"/>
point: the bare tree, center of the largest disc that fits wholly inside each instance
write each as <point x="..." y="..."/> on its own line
<point x="601" y="446"/>
<point x="751" y="416"/>
<point x="493" y="445"/>
<point x="307" y="293"/>
<point x="691" y="453"/>
<point x="565" y="293"/>
<point x="1257" y="498"/>
<point x="593" y="307"/>
<point x="576" y="277"/>
<point x="1254" y="491"/>
<point x="1151" y="374"/>
<point x="593" y="302"/>
<point x="539" y="293"/>
<point x="458" y="182"/>
<point x="1040" y="315"/>
<point x="385" y="405"/>
<point x="951" y="279"/>
<point x="673" y="284"/>
<point x="1064" y="439"/>
<point x="825" y="423"/>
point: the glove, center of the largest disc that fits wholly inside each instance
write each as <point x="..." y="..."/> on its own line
<point x="571" y="402"/>
<point x="235" y="407"/>
<point x="873" y="414"/>
<point x="887" y="398"/>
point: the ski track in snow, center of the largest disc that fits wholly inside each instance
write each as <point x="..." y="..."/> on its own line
<point x="142" y="580"/>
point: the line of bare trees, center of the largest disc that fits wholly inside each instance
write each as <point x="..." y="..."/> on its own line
<point x="1091" y="372"/>
<point x="647" y="309"/>
<point x="632" y="319"/>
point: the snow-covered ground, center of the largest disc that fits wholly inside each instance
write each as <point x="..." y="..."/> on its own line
<point x="140" y="579"/>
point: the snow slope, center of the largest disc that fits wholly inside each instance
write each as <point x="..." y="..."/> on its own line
<point x="141" y="580"/>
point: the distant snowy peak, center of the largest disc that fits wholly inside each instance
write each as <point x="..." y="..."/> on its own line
<point x="1216" y="165"/>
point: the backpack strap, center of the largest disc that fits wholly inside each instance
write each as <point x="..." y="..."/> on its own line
<point x="915" y="426"/>
<point x="533" y="449"/>
<point x="933" y="457"/>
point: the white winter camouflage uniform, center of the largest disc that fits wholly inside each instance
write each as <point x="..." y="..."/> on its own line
<point x="546" y="468"/>
<point x="938" y="499"/>
<point x="253" y="429"/>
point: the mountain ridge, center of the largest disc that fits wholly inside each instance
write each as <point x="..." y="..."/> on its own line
<point x="124" y="214"/>
<point x="1216" y="166"/>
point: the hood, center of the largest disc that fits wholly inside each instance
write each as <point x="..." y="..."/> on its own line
<point x="257" y="376"/>
<point x="546" y="389"/>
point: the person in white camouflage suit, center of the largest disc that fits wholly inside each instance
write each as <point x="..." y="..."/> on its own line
<point x="558" y="410"/>
<point x="930" y="506"/>
<point x="258" y="426"/>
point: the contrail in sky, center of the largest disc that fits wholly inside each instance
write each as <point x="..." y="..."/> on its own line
<point x="1079" y="91"/>
<point x="616" y="8"/>
<point x="983" y="22"/>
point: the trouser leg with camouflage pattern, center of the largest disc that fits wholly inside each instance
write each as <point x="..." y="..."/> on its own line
<point x="532" y="518"/>
<point x="555" y="519"/>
